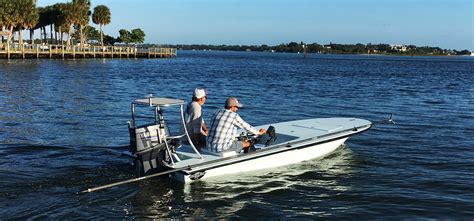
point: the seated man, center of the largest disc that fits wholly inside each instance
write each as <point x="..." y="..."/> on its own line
<point x="224" y="125"/>
<point x="195" y="124"/>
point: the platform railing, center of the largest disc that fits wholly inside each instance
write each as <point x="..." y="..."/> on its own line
<point x="86" y="51"/>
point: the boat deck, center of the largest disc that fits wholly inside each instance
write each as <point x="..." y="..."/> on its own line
<point x="287" y="133"/>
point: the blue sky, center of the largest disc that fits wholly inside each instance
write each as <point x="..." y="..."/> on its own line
<point x="445" y="23"/>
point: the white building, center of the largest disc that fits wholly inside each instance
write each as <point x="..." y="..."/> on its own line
<point x="401" y="48"/>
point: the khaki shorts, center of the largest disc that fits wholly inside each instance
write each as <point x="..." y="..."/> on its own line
<point x="199" y="140"/>
<point x="236" y="146"/>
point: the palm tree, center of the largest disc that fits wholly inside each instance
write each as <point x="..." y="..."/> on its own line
<point x="52" y="17"/>
<point x="20" y="18"/>
<point x="41" y="22"/>
<point x="31" y="20"/>
<point x="44" y="20"/>
<point x="10" y="17"/>
<point x="64" y="19"/>
<point x="83" y="14"/>
<point x="21" y="14"/>
<point x="101" y="16"/>
<point x="69" y="16"/>
<point x="2" y="25"/>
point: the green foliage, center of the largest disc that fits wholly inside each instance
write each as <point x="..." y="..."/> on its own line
<point x="31" y="15"/>
<point x="43" y="17"/>
<point x="61" y="17"/>
<point x="9" y="13"/>
<point x="21" y="13"/>
<point x="125" y="36"/>
<point x="292" y="45"/>
<point x="82" y="2"/>
<point x="82" y="11"/>
<point x="89" y="32"/>
<point x="101" y="15"/>
<point x="137" y="36"/>
<point x="331" y="48"/>
<point x="109" y="40"/>
<point x="2" y="12"/>
<point x="464" y="52"/>
<point x="53" y="13"/>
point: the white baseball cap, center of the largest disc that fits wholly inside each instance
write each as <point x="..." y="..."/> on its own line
<point x="199" y="93"/>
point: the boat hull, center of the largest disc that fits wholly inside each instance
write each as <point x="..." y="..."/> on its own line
<point x="278" y="159"/>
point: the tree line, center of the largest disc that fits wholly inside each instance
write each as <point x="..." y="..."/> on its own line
<point x="66" y="19"/>
<point x="332" y="48"/>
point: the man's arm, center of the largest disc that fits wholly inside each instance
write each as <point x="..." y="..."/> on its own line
<point x="204" y="128"/>
<point x="239" y="122"/>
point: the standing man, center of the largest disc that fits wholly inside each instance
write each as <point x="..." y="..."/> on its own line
<point x="224" y="125"/>
<point x="195" y="124"/>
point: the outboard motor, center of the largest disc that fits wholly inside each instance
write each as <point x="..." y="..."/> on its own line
<point x="151" y="160"/>
<point x="147" y="143"/>
<point x="149" y="148"/>
<point x="152" y="146"/>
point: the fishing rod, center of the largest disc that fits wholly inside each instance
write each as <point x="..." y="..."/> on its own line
<point x="135" y="179"/>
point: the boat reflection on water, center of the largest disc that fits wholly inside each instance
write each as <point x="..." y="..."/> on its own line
<point x="229" y="195"/>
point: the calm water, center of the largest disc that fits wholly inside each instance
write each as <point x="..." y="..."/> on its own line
<point x="63" y="128"/>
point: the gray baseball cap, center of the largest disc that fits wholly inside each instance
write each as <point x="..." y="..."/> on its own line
<point x="232" y="101"/>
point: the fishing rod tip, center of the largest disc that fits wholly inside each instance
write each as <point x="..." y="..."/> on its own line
<point x="84" y="191"/>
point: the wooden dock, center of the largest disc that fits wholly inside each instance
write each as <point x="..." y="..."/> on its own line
<point x="61" y="51"/>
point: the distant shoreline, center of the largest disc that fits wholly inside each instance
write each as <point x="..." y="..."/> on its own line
<point x="332" y="48"/>
<point x="362" y="54"/>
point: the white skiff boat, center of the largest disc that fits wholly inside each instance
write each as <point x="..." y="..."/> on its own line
<point x="154" y="149"/>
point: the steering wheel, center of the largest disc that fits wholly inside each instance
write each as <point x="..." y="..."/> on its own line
<point x="271" y="134"/>
<point x="254" y="138"/>
<point x="251" y="138"/>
